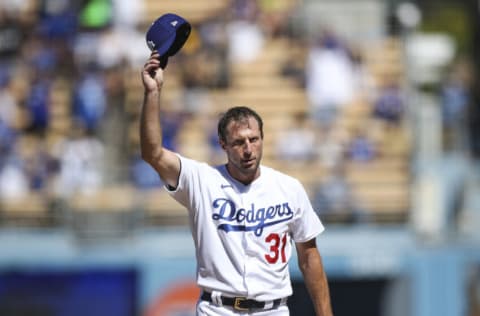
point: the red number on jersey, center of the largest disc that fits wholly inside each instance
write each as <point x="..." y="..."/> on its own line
<point x="277" y="248"/>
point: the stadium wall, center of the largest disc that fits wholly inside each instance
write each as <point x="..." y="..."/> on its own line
<point x="385" y="272"/>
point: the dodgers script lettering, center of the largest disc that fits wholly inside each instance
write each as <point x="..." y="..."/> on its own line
<point x="233" y="218"/>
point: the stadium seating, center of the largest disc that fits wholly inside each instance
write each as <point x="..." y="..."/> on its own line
<point x="382" y="185"/>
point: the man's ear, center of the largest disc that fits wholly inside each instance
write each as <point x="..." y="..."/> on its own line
<point x="222" y="144"/>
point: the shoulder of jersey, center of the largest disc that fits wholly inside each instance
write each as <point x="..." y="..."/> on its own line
<point x="280" y="176"/>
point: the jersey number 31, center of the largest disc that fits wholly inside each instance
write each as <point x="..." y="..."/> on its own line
<point x="277" y="248"/>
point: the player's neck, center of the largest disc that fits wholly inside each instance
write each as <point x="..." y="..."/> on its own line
<point x="243" y="178"/>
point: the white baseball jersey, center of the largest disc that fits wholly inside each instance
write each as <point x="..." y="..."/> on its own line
<point x="243" y="233"/>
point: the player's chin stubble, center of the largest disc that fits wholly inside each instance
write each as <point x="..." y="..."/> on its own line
<point x="240" y="170"/>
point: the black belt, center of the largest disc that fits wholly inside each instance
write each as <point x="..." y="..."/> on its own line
<point x="242" y="303"/>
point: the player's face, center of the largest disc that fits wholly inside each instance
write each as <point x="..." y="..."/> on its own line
<point x="243" y="146"/>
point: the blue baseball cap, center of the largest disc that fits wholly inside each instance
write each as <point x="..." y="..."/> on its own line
<point x="167" y="34"/>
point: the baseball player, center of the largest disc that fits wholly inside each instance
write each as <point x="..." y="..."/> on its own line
<point x="244" y="216"/>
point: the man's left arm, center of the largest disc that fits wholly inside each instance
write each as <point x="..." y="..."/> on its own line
<point x="311" y="266"/>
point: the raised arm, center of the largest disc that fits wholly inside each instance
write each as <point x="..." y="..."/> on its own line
<point x="164" y="161"/>
<point x="311" y="265"/>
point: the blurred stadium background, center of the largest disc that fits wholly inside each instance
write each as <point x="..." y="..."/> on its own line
<point x="372" y="104"/>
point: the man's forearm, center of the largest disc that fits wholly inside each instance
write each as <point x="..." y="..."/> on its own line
<point x="150" y="127"/>
<point x="316" y="283"/>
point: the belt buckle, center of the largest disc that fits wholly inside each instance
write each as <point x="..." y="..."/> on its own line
<point x="237" y="302"/>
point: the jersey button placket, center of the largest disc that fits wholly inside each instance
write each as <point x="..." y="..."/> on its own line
<point x="246" y="246"/>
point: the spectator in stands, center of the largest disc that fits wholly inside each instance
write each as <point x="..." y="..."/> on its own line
<point x="96" y="14"/>
<point x="127" y="14"/>
<point x="389" y="105"/>
<point x="13" y="180"/>
<point x="80" y="160"/>
<point x="57" y="19"/>
<point x="361" y="147"/>
<point x="89" y="100"/>
<point x="94" y="17"/>
<point x="121" y="39"/>
<point x="245" y="41"/>
<point x="113" y="51"/>
<point x="329" y="78"/>
<point x="39" y="167"/>
<point x="38" y="104"/>
<point x="297" y="142"/>
<point x="42" y="57"/>
<point x="42" y="60"/>
<point x="245" y="36"/>
<point x="121" y="42"/>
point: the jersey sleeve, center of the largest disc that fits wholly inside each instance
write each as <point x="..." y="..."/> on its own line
<point x="307" y="224"/>
<point x="188" y="182"/>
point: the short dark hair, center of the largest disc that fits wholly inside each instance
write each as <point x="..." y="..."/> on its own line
<point x="236" y="114"/>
